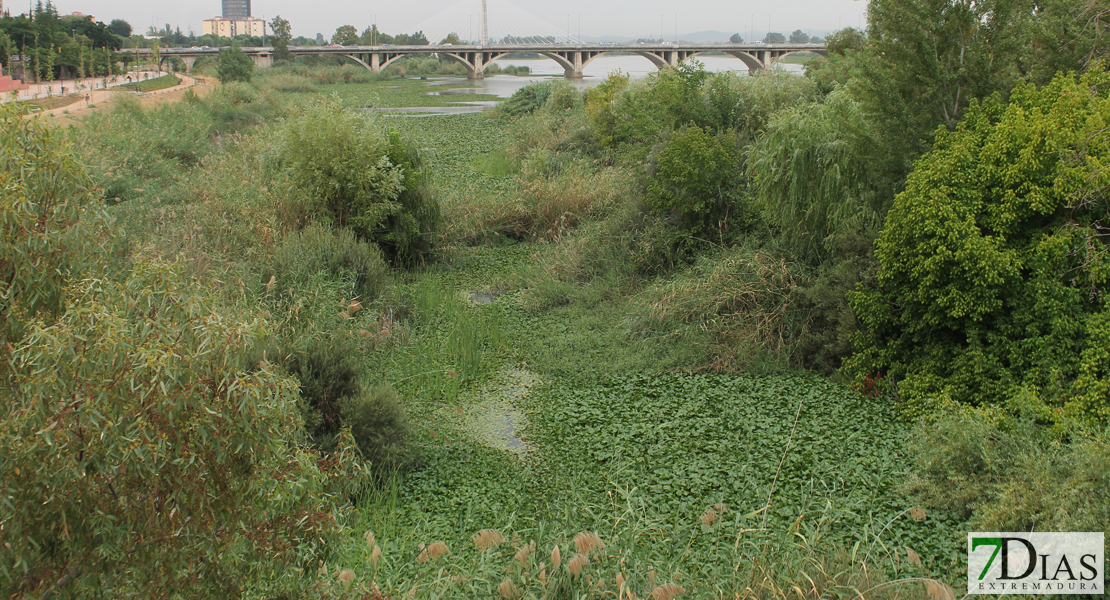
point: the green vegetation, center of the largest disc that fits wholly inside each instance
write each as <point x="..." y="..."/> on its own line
<point x="989" y="295"/>
<point x="234" y="65"/>
<point x="152" y="85"/>
<point x="689" y="336"/>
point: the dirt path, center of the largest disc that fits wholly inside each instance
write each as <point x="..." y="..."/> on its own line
<point x="102" y="100"/>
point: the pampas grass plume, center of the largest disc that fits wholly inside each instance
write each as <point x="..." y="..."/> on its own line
<point x="346" y="576"/>
<point x="556" y="558"/>
<point x="487" y="539"/>
<point x="507" y="589"/>
<point x="667" y="591"/>
<point x="577" y="563"/>
<point x="587" y="543"/>
<point x="524" y="552"/>
<point x="939" y="590"/>
<point x="437" y="550"/>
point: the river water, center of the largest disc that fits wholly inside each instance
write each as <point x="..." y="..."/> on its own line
<point x="504" y="86"/>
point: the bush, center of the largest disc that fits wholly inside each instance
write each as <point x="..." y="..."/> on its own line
<point x="361" y="178"/>
<point x="378" y="426"/>
<point x="53" y="221"/>
<point x="131" y="150"/>
<point x="333" y="398"/>
<point x="526" y="100"/>
<point x="145" y="453"/>
<point x="991" y="282"/>
<point x="1013" y="475"/>
<point x="315" y="250"/>
<point x="234" y="65"/>
<point x="695" y="180"/>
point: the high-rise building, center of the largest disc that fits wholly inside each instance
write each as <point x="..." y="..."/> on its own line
<point x="236" y="9"/>
<point x="236" y="20"/>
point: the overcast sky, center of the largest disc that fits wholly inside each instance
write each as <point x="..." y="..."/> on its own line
<point x="632" y="18"/>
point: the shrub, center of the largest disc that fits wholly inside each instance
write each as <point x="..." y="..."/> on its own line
<point x="818" y="175"/>
<point x="378" y="426"/>
<point x="360" y="177"/>
<point x="131" y="150"/>
<point x="53" y="222"/>
<point x="1012" y="475"/>
<point x="743" y="298"/>
<point x="695" y="180"/>
<point x="144" y="456"/>
<point x="409" y="233"/>
<point x="526" y="100"/>
<point x="991" y="282"/>
<point x="334" y="398"/>
<point x="317" y="249"/>
<point x="601" y="107"/>
<point x="234" y="65"/>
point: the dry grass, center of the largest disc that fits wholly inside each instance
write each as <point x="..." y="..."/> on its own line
<point x="540" y="207"/>
<point x="743" y="300"/>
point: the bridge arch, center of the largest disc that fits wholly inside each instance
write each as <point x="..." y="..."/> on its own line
<point x="779" y="57"/>
<point x="358" y="60"/>
<point x="753" y="63"/>
<point x="563" y="62"/>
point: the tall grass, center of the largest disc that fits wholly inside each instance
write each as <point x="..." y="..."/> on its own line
<point x="620" y="549"/>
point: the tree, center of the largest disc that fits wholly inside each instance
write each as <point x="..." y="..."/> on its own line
<point x="345" y="35"/>
<point x="736" y="39"/>
<point x="927" y="60"/>
<point x="849" y="38"/>
<point x="5" y="52"/>
<point x="818" y="175"/>
<point x="414" y="39"/>
<point x="452" y="38"/>
<point x="282" y="35"/>
<point x="54" y="222"/>
<point x="176" y="468"/>
<point x="799" y="37"/>
<point x="234" y="65"/>
<point x="992" y="288"/>
<point x="120" y="27"/>
<point x="774" y="37"/>
<point x="371" y="36"/>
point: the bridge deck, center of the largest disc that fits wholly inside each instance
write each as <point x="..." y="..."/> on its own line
<point x="572" y="57"/>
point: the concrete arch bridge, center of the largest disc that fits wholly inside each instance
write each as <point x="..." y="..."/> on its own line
<point x="573" y="58"/>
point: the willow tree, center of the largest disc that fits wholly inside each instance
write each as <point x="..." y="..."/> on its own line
<point x="818" y="173"/>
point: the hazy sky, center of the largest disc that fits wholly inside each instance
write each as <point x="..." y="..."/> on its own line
<point x="633" y="18"/>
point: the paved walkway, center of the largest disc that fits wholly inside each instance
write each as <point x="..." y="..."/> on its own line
<point x="101" y="96"/>
<point x="49" y="89"/>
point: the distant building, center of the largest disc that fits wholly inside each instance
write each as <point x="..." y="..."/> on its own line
<point x="235" y="20"/>
<point x="225" y="27"/>
<point x="236" y="9"/>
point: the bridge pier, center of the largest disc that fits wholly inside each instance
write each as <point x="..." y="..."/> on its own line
<point x="189" y="62"/>
<point x="262" y="60"/>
